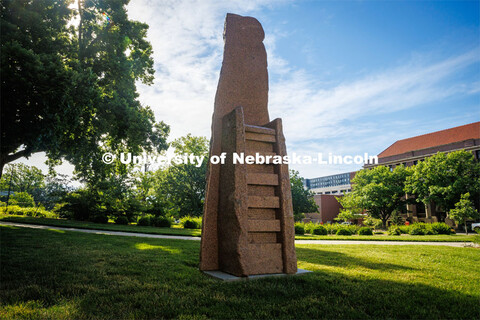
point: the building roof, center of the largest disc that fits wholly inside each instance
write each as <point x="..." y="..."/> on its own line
<point x="434" y="139"/>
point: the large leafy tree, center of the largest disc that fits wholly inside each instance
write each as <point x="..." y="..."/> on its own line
<point x="443" y="178"/>
<point x="69" y="90"/>
<point x="378" y="191"/>
<point x="182" y="186"/>
<point x="302" y="199"/>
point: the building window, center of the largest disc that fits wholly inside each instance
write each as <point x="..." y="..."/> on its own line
<point x="415" y="162"/>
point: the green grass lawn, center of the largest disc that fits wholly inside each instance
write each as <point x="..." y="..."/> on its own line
<point x="48" y="274"/>
<point x="177" y="230"/>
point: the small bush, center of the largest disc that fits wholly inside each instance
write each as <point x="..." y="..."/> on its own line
<point x="144" y="221"/>
<point x="320" y="231"/>
<point x="404" y="229"/>
<point x="394" y="231"/>
<point x="121" y="220"/>
<point x="418" y="229"/>
<point x="440" y="228"/>
<point x="299" y="228"/>
<point x="161" y="222"/>
<point x="365" y="231"/>
<point x="99" y="218"/>
<point x="309" y="227"/>
<point x="191" y="222"/>
<point x="343" y="232"/>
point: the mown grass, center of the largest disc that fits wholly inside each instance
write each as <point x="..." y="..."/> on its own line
<point x="176" y="230"/>
<point x="47" y="274"/>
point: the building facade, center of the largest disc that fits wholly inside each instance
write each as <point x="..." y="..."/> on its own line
<point x="336" y="184"/>
<point x="414" y="150"/>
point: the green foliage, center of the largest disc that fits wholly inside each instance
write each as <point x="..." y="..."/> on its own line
<point x="71" y="90"/>
<point x="440" y="228"/>
<point x="302" y="199"/>
<point x="332" y="228"/>
<point x="299" y="228"/>
<point x="20" y="177"/>
<point x="372" y="222"/>
<point x="121" y="220"/>
<point x="418" y="229"/>
<point x="394" y="230"/>
<point x="396" y="218"/>
<point x="181" y="187"/>
<point x="379" y="191"/>
<point x="162" y="222"/>
<point x="343" y="232"/>
<point x="144" y="221"/>
<point x="351" y="207"/>
<point x="189" y="222"/>
<point x="38" y="212"/>
<point x="444" y="178"/>
<point x="365" y="231"/>
<point x="320" y="230"/>
<point x="464" y="210"/>
<point x="404" y="229"/>
<point x="22" y="199"/>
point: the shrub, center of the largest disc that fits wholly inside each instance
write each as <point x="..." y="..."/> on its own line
<point x="394" y="231"/>
<point x="23" y="199"/>
<point x="343" y="232"/>
<point x="189" y="222"/>
<point x="161" y="222"/>
<point x="418" y="229"/>
<point x="99" y="218"/>
<point x="121" y="220"/>
<point x="365" y="231"/>
<point x="440" y="228"/>
<point x="144" y="221"/>
<point x="309" y="227"/>
<point x="299" y="228"/>
<point x="404" y="229"/>
<point x="320" y="230"/>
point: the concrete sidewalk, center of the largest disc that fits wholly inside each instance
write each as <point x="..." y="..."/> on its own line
<point x="161" y="236"/>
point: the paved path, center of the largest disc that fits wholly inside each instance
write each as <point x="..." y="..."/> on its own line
<point x="161" y="236"/>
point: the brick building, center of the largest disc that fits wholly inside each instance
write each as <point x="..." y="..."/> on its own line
<point x="413" y="150"/>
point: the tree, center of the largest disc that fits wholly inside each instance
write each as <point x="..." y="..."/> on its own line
<point x="351" y="210"/>
<point x="182" y="186"/>
<point x="463" y="211"/>
<point x="302" y="199"/>
<point x="70" y="91"/>
<point x="443" y="178"/>
<point x="20" y="177"/>
<point x="379" y="191"/>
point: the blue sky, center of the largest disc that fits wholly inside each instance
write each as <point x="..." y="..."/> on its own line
<point x="347" y="77"/>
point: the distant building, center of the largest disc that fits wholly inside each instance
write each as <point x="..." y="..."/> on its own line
<point x="408" y="152"/>
<point x="413" y="150"/>
<point x="336" y="184"/>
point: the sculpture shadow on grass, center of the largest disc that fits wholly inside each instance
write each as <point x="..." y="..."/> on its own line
<point x="98" y="276"/>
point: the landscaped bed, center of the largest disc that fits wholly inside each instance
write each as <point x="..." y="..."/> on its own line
<point x="177" y="230"/>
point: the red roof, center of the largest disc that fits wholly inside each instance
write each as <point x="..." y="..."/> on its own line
<point x="434" y="139"/>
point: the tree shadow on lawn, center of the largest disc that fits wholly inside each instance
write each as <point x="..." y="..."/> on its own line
<point x="98" y="276"/>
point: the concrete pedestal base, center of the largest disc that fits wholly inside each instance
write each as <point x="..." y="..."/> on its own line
<point x="228" y="277"/>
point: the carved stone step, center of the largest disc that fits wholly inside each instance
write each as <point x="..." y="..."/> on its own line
<point x="257" y="129"/>
<point x="260" y="137"/>
<point x="266" y="179"/>
<point x="263" y="225"/>
<point x="263" y="202"/>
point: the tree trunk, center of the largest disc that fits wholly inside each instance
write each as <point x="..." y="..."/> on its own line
<point x="466" y="229"/>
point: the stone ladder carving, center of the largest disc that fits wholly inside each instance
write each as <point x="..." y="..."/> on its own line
<point x="255" y="219"/>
